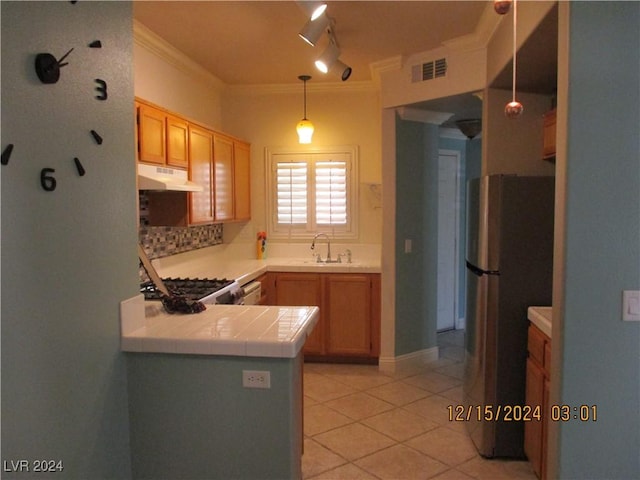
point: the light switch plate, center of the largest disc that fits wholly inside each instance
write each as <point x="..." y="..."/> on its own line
<point x="631" y="305"/>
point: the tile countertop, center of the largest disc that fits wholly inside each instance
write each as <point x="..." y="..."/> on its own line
<point x="238" y="330"/>
<point x="243" y="330"/>
<point x="202" y="264"/>
<point x="541" y="317"/>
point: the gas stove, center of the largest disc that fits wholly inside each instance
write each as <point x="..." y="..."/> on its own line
<point x="207" y="291"/>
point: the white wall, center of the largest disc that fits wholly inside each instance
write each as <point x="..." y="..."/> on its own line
<point x="164" y="76"/>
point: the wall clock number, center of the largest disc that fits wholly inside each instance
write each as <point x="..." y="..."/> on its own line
<point x="102" y="89"/>
<point x="95" y="44"/>
<point x="96" y="136"/>
<point x="47" y="181"/>
<point x="79" y="166"/>
<point x="6" y="154"/>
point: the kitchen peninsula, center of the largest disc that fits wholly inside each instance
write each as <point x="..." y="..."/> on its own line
<point x="190" y="416"/>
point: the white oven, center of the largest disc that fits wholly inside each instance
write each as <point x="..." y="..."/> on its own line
<point x="252" y="293"/>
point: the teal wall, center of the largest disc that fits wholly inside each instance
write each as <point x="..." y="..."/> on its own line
<point x="192" y="419"/>
<point x="601" y="353"/>
<point x="416" y="219"/>
<point x="68" y="256"/>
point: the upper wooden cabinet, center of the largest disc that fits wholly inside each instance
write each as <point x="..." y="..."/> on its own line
<point x="549" y="135"/>
<point x="177" y="142"/>
<point x="217" y="162"/>
<point x="201" y="147"/>
<point x="232" y="182"/>
<point x="242" y="180"/>
<point x="223" y="173"/>
<point x="162" y="138"/>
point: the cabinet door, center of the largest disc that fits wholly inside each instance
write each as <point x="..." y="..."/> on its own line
<point x="533" y="430"/>
<point x="348" y="307"/>
<point x="302" y="289"/>
<point x="223" y="177"/>
<point x="177" y="142"/>
<point x="151" y="135"/>
<point x="201" y="172"/>
<point x="241" y="181"/>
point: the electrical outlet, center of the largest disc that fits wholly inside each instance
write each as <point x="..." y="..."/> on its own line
<point x="256" y="379"/>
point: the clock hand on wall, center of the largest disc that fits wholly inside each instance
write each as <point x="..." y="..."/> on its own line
<point x="48" y="68"/>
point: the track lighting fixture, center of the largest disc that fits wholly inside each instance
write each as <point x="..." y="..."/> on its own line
<point x="328" y="57"/>
<point x="304" y="127"/>
<point x="345" y="70"/>
<point x="313" y="29"/>
<point x="311" y="33"/>
<point x="312" y="9"/>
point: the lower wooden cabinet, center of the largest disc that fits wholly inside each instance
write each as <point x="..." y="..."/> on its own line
<point x="349" y="324"/>
<point x="537" y="393"/>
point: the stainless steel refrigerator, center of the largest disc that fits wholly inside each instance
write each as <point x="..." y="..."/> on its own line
<point x="509" y="268"/>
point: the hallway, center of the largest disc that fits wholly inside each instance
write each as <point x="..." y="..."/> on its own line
<point x="363" y="424"/>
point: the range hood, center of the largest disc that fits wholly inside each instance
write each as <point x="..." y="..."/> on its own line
<point x="160" y="178"/>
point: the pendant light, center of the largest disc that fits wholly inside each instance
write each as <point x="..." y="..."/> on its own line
<point x="305" y="127"/>
<point x="514" y="109"/>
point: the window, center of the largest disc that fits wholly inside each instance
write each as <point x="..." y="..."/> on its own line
<point x="312" y="192"/>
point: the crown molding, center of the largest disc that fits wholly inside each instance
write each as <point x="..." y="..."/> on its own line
<point x="387" y="65"/>
<point x="289" y="88"/>
<point x="161" y="48"/>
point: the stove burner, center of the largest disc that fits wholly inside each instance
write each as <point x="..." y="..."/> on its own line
<point x="192" y="289"/>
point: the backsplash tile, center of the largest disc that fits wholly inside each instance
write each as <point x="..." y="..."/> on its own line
<point x="164" y="241"/>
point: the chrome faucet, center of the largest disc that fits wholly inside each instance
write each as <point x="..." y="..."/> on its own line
<point x="313" y="246"/>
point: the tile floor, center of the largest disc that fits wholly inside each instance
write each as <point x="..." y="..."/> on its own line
<point x="362" y="424"/>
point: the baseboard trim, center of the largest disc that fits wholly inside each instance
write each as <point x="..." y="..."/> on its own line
<point x="408" y="360"/>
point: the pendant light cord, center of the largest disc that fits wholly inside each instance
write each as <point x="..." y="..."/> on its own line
<point x="305" y="99"/>
<point x="515" y="15"/>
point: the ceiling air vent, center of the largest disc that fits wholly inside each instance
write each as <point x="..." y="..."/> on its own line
<point x="429" y="70"/>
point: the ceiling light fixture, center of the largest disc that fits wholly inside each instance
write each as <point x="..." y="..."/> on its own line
<point x="514" y="109"/>
<point x="312" y="9"/>
<point x="313" y="29"/>
<point x="344" y="69"/>
<point x="501" y="6"/>
<point x="330" y="58"/>
<point x="305" y="127"/>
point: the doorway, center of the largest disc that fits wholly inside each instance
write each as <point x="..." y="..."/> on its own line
<point x="448" y="238"/>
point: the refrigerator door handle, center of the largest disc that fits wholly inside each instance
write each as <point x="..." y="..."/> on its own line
<point x="479" y="272"/>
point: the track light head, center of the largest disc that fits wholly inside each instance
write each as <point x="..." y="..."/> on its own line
<point x="328" y="57"/>
<point x="313" y="29"/>
<point x="312" y="9"/>
<point x="345" y="70"/>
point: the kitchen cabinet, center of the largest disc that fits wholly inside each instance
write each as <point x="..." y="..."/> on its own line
<point x="537" y="393"/>
<point x="302" y="289"/>
<point x="162" y="138"/>
<point x="232" y="181"/>
<point x="177" y="142"/>
<point x="241" y="180"/>
<point x="349" y="324"/>
<point x="217" y="162"/>
<point x="549" y="135"/>
<point x="201" y="204"/>
<point x="223" y="177"/>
